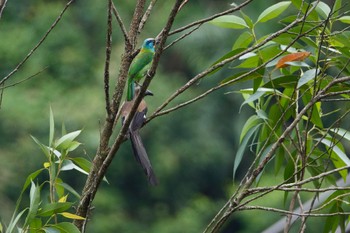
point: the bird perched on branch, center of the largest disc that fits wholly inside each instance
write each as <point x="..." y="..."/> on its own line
<point x="134" y="134"/>
<point x="143" y="60"/>
<point x="137" y="71"/>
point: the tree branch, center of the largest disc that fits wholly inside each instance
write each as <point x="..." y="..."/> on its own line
<point x="108" y="57"/>
<point x="38" y="44"/>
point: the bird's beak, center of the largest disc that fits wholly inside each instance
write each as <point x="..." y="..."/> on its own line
<point x="148" y="92"/>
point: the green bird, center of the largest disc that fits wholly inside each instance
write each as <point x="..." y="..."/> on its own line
<point x="140" y="65"/>
<point x="135" y="125"/>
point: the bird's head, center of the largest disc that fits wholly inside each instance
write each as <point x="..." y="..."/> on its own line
<point x="149" y="44"/>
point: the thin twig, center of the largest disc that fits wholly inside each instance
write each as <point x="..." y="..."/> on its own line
<point x="121" y="24"/>
<point x="108" y="58"/>
<point x="200" y="22"/>
<point x="201" y="75"/>
<point x="183" y="4"/>
<point x="38" y="44"/>
<point x="25" y="79"/>
<point x="182" y="37"/>
<point x="306" y="214"/>
<point x="2" y="6"/>
<point x="146" y="15"/>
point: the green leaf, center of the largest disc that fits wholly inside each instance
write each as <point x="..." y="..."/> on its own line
<point x="331" y="221"/>
<point x="14" y="221"/>
<point x="69" y="165"/>
<point x="338" y="157"/>
<point x="51" y="230"/>
<point x="337" y="6"/>
<point x="251" y="122"/>
<point x="67" y="227"/>
<point x="34" y="197"/>
<point x="322" y="9"/>
<point x="242" y="147"/>
<point x="54" y="208"/>
<point x="44" y="148"/>
<point x="82" y="163"/>
<point x="71" y="216"/>
<point x="230" y="21"/>
<point x="36" y="224"/>
<point x="343" y="133"/>
<point x="248" y="20"/>
<point x="226" y="56"/>
<point x="65" y="141"/>
<point x="69" y="189"/>
<point x="345" y="19"/>
<point x="307" y="76"/>
<point x="63" y="227"/>
<point x="273" y="11"/>
<point x="252" y="76"/>
<point x="259" y="93"/>
<point x="243" y="41"/>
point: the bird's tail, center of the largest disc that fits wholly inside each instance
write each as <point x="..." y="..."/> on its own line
<point x="142" y="157"/>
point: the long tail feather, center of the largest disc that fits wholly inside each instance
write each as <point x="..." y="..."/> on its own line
<point x="142" y="157"/>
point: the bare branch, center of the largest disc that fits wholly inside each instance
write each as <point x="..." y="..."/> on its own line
<point x="121" y="24"/>
<point x="200" y="22"/>
<point x="2" y="6"/>
<point x="23" y="80"/>
<point x="108" y="57"/>
<point x="146" y="15"/>
<point x="290" y="212"/>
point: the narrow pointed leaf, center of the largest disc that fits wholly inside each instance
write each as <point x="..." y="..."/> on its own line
<point x="230" y="21"/>
<point x="273" y="11"/>
<point x="71" y="216"/>
<point x="242" y="147"/>
<point x="306" y="77"/>
<point x="345" y="19"/>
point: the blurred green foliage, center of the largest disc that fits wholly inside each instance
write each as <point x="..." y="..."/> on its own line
<point x="192" y="150"/>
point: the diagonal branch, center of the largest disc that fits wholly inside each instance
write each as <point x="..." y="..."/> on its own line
<point x="121" y="24"/>
<point x="59" y="17"/>
<point x="200" y="22"/>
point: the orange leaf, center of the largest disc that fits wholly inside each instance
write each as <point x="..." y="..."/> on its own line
<point x="291" y="57"/>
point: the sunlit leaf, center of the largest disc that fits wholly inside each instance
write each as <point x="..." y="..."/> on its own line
<point x="273" y="11"/>
<point x="65" y="140"/>
<point x="345" y="19"/>
<point x="34" y="202"/>
<point x="343" y="133"/>
<point x="307" y="76"/>
<point x="69" y="165"/>
<point x="71" y="216"/>
<point x="230" y="21"/>
<point x="322" y="9"/>
<point x="63" y="199"/>
<point x="259" y="93"/>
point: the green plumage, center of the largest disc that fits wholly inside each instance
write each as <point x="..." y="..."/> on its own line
<point x="139" y="66"/>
